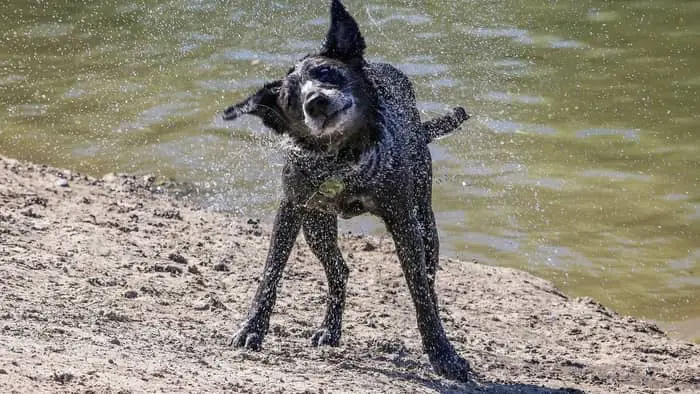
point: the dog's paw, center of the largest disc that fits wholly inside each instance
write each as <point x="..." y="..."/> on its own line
<point x="452" y="366"/>
<point x="460" y="114"/>
<point x="325" y="337"/>
<point x="247" y="338"/>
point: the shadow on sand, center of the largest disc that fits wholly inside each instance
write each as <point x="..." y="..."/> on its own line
<point x="476" y="385"/>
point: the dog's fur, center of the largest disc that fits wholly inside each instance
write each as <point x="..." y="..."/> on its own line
<point x="359" y="147"/>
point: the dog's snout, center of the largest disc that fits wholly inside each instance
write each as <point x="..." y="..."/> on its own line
<point x="316" y="104"/>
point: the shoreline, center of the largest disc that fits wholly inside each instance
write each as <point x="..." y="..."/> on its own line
<point x="108" y="286"/>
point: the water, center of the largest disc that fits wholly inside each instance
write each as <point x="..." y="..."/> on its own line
<point x="580" y="165"/>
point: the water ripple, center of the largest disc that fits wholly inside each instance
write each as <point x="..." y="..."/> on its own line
<point x="421" y="69"/>
<point x="524" y="37"/>
<point x="560" y="256"/>
<point x="628" y="134"/>
<point x="276" y="59"/>
<point x="615" y="175"/>
<point x="499" y="243"/>
<point x="231" y="84"/>
<point x="510" y="98"/>
<point x="511" y="127"/>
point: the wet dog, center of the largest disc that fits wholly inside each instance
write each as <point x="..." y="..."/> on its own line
<point x="358" y="146"/>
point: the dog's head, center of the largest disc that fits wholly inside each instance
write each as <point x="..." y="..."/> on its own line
<point x="325" y="100"/>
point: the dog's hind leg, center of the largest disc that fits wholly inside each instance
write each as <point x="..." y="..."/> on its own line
<point x="286" y="228"/>
<point x="424" y="213"/>
<point x="432" y="246"/>
<point x="405" y="230"/>
<point x="321" y="233"/>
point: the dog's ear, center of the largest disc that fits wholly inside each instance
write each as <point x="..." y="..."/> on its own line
<point x="343" y="40"/>
<point x="262" y="104"/>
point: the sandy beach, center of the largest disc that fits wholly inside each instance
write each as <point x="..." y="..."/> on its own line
<point x="110" y="285"/>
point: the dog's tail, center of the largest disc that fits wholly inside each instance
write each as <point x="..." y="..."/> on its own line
<point x="439" y="127"/>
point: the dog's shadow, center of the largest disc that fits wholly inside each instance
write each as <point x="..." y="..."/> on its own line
<point x="476" y="385"/>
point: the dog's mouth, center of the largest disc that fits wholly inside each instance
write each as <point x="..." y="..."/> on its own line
<point x="335" y="115"/>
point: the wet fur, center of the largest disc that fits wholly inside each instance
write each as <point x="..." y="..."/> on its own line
<point x="376" y="152"/>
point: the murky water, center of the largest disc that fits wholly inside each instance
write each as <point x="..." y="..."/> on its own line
<point x="581" y="164"/>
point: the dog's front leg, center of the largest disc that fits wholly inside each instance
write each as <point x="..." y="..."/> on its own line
<point x="405" y="230"/>
<point x="321" y="233"/>
<point x="284" y="233"/>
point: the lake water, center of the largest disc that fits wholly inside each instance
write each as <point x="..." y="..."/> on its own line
<point x="581" y="164"/>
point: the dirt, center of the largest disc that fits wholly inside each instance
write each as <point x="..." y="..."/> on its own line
<point x="109" y="285"/>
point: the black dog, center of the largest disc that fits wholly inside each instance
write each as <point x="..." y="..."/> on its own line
<point x="359" y="146"/>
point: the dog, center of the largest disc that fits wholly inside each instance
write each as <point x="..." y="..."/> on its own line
<point x="358" y="146"/>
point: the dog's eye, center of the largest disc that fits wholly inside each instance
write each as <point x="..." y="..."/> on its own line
<point x="327" y="75"/>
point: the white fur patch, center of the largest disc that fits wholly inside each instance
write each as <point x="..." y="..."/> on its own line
<point x="339" y="100"/>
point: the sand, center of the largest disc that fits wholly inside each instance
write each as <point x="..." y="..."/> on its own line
<point x="112" y="285"/>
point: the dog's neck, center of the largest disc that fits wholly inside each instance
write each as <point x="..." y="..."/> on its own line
<point x="357" y="162"/>
<point x="349" y="151"/>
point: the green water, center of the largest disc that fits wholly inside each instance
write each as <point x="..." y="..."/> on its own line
<point x="580" y="165"/>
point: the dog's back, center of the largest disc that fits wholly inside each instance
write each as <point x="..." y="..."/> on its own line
<point x="395" y="93"/>
<point x="397" y="102"/>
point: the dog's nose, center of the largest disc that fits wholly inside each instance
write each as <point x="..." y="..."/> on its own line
<point x="316" y="105"/>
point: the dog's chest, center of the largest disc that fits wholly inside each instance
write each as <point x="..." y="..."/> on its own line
<point x="327" y="185"/>
<point x="332" y="199"/>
